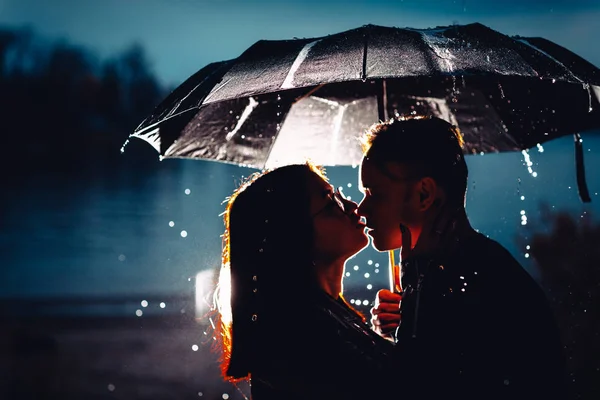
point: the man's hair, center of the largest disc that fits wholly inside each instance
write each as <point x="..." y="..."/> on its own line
<point x="428" y="146"/>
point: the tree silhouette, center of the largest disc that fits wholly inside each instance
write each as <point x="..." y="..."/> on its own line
<point x="62" y="109"/>
<point x="567" y="252"/>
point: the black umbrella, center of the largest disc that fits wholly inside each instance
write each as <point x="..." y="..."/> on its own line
<point x="283" y="101"/>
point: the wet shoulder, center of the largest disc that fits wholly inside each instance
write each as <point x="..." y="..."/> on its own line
<point x="497" y="271"/>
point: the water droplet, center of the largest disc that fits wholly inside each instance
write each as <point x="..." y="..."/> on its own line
<point x="187" y="191"/>
<point x="139" y="313"/>
<point x="111" y="387"/>
<point x="367" y="275"/>
<point x="184" y="234"/>
<point x="522" y="197"/>
<point x="225" y="396"/>
<point x="501" y="91"/>
<point x="377" y="270"/>
<point x="526" y="255"/>
<point x="347" y="273"/>
<point x="171" y="224"/>
<point x="365" y="302"/>
<point x="356" y="267"/>
<point x="122" y="257"/>
<point x="195" y="347"/>
<point x="162" y="305"/>
<point x="144" y="303"/>
<point x="369" y="286"/>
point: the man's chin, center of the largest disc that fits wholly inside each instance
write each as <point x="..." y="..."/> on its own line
<point x="380" y="244"/>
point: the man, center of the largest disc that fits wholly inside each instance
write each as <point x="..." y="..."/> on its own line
<point x="472" y="323"/>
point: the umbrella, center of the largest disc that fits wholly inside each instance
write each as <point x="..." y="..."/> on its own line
<point x="286" y="100"/>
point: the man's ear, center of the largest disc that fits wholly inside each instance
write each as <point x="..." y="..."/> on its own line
<point x="429" y="192"/>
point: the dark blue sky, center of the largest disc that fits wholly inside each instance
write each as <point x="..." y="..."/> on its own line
<point x="181" y="36"/>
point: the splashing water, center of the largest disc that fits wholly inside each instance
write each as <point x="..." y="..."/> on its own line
<point x="529" y="163"/>
<point x="501" y="91"/>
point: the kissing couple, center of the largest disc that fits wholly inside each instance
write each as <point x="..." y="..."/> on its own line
<point x="465" y="321"/>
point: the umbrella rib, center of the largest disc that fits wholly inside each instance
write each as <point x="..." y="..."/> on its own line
<point x="245" y="114"/>
<point x="363" y="74"/>
<point x="567" y="70"/>
<point x="336" y="132"/>
<point x="287" y="83"/>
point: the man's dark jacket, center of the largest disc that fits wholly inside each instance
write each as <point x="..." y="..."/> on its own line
<point x="475" y="325"/>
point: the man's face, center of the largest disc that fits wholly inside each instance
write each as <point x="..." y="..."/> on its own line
<point x="387" y="203"/>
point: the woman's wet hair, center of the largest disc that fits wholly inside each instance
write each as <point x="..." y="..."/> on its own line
<point x="428" y="146"/>
<point x="266" y="260"/>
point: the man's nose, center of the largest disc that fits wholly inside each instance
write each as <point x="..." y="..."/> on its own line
<point x="361" y="208"/>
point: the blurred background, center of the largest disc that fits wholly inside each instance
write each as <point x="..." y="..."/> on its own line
<point x="107" y="260"/>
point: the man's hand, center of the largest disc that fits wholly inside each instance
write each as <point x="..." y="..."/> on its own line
<point x="385" y="316"/>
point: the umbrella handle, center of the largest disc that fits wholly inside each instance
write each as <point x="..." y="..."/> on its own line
<point x="395" y="282"/>
<point x="584" y="193"/>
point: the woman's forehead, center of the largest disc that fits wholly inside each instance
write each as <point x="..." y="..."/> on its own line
<point x="318" y="186"/>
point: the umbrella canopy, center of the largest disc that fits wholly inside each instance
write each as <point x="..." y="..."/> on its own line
<point x="283" y="101"/>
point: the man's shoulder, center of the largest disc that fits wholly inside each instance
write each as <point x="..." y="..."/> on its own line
<point x="492" y="261"/>
<point x="479" y="248"/>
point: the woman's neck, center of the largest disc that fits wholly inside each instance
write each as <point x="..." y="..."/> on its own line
<point x="329" y="277"/>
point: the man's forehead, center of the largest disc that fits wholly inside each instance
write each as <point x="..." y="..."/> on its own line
<point x="371" y="176"/>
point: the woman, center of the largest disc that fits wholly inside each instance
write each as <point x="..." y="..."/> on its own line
<point x="284" y="323"/>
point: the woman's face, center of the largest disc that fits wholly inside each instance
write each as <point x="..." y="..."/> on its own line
<point x="338" y="231"/>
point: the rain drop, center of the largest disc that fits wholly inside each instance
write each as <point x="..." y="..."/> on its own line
<point x="122" y="257"/>
<point x="225" y="396"/>
<point x="144" y="303"/>
<point x="365" y="302"/>
<point x="369" y="286"/>
<point x="356" y="267"/>
<point x="188" y="191"/>
<point x="139" y="313"/>
<point x="111" y="387"/>
<point x="195" y="347"/>
<point x="347" y="273"/>
<point x="171" y="224"/>
<point x="184" y="234"/>
<point x="522" y="197"/>
<point x="162" y="305"/>
<point x="367" y="275"/>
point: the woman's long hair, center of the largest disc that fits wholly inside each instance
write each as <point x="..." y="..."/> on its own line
<point x="266" y="262"/>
